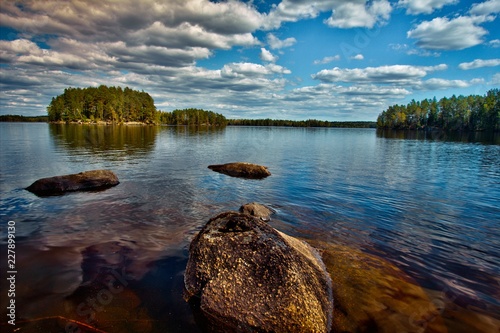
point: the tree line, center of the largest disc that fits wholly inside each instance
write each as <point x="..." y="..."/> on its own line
<point x="24" y="119"/>
<point x="462" y="113"/>
<point x="301" y="123"/>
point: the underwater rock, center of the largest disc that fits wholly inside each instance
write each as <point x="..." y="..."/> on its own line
<point x="83" y="181"/>
<point x="257" y="210"/>
<point x="242" y="170"/>
<point x="373" y="295"/>
<point x="249" y="277"/>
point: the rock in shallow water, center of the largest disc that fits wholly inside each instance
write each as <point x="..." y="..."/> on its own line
<point x="83" y="181"/>
<point x="242" y="170"/>
<point x="257" y="210"/>
<point x="250" y="277"/>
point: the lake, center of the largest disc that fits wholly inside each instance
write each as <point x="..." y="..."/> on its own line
<point x="427" y="203"/>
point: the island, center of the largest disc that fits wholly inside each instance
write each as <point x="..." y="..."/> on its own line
<point x="115" y="105"/>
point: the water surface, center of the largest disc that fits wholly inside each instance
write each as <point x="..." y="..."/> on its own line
<point x="426" y="203"/>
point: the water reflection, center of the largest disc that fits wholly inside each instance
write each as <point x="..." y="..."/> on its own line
<point x="492" y="138"/>
<point x="196" y="130"/>
<point x="97" y="139"/>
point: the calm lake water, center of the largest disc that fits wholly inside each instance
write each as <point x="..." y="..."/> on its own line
<point x="428" y="203"/>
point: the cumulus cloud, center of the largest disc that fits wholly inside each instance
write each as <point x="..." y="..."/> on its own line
<point x="345" y="14"/>
<point x="478" y="63"/>
<point x="450" y="34"/>
<point x="275" y="43"/>
<point x="358" y="56"/>
<point x="383" y="74"/>
<point x="439" y="84"/>
<point x="266" y="55"/>
<point x="354" y="14"/>
<point x="245" y="69"/>
<point x="415" y="7"/>
<point x="113" y="21"/>
<point x="327" y="60"/>
<point x="485" y="8"/>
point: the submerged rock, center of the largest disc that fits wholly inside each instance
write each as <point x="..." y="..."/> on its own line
<point x="242" y="170"/>
<point x="249" y="277"/>
<point x="257" y="210"/>
<point x="83" y="181"/>
<point x="373" y="295"/>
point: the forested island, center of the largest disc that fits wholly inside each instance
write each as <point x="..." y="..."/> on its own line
<point x="462" y="113"/>
<point x="196" y="117"/>
<point x="117" y="105"/>
<point x="103" y="103"/>
<point x="301" y="123"/>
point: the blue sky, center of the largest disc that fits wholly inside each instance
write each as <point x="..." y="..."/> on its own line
<point x="291" y="59"/>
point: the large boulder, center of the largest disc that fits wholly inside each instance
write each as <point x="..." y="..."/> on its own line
<point x="249" y="277"/>
<point x="83" y="181"/>
<point x="242" y="170"/>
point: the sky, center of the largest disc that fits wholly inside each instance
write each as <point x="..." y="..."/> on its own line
<point x="337" y="60"/>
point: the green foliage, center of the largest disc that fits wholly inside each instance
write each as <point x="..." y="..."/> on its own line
<point x="18" y="118"/>
<point x="474" y="112"/>
<point x="301" y="123"/>
<point x="102" y="104"/>
<point x="192" y="117"/>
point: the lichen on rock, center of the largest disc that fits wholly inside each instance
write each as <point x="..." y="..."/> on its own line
<point x="248" y="276"/>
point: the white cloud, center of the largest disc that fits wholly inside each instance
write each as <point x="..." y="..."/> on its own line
<point x="345" y="14"/>
<point x="494" y="43"/>
<point x="327" y="60"/>
<point x="403" y="74"/>
<point x="25" y="52"/>
<point x="496" y="79"/>
<point x="440" y="84"/>
<point x="358" y="56"/>
<point x="444" y="34"/>
<point x="265" y="55"/>
<point x="353" y="14"/>
<point x="485" y="8"/>
<point x="478" y="63"/>
<point x="275" y="43"/>
<point x="188" y="35"/>
<point x="252" y="70"/>
<point x="415" y="7"/>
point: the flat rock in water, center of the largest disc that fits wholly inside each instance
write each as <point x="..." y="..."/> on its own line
<point x="83" y="181"/>
<point x="249" y="277"/>
<point x="242" y="170"/>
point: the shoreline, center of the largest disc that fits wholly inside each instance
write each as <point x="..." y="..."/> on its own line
<point x="102" y="122"/>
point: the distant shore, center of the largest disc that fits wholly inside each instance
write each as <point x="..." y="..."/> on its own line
<point x="102" y="122"/>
